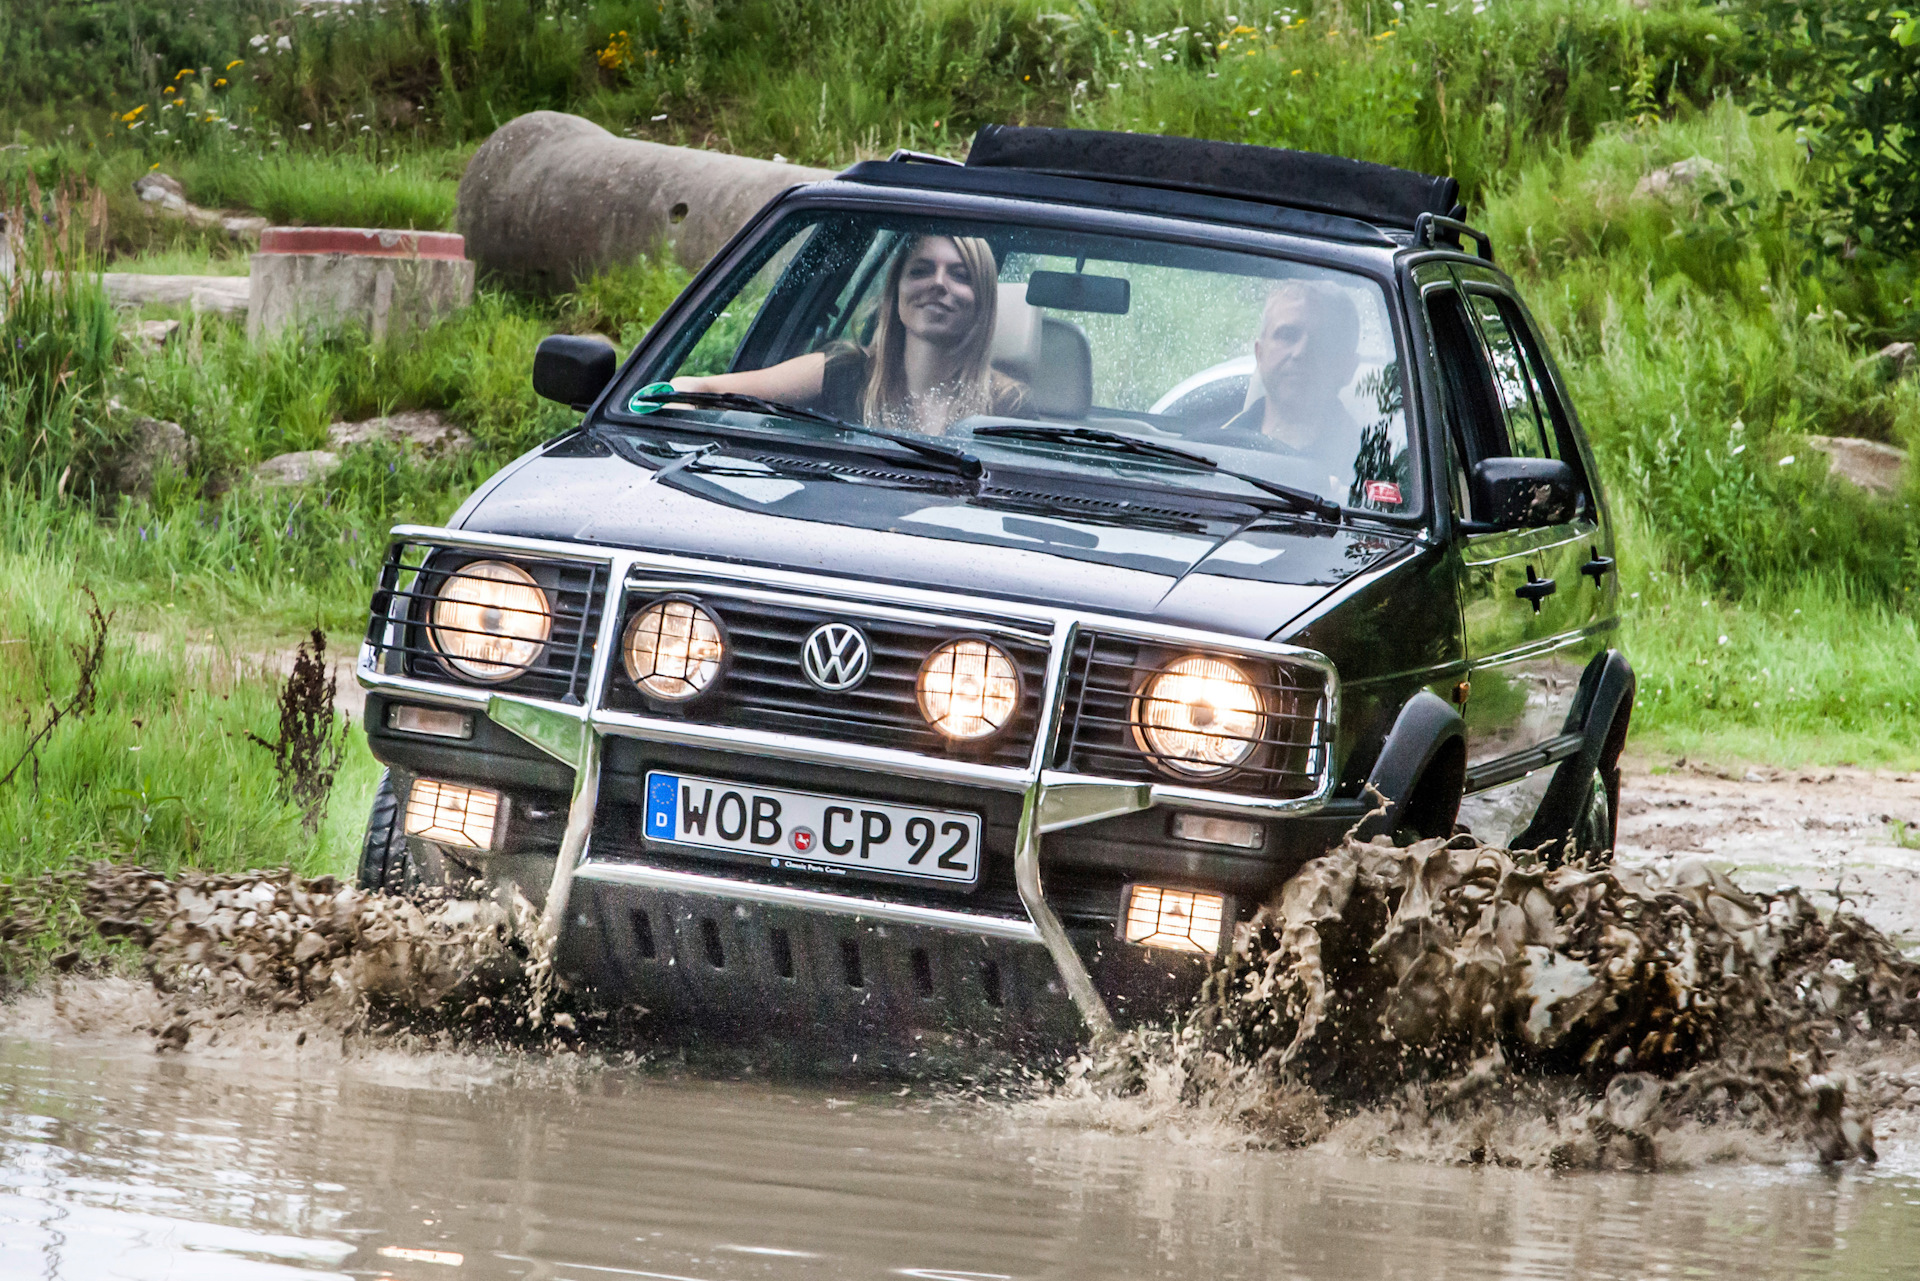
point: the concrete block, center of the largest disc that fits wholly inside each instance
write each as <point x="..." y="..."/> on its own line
<point x="387" y="282"/>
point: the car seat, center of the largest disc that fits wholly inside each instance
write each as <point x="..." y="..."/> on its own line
<point x="1051" y="356"/>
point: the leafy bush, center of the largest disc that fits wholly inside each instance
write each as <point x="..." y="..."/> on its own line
<point x="1846" y="74"/>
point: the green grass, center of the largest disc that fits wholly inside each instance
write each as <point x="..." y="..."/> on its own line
<point x="360" y="188"/>
<point x="1673" y="322"/>
<point x="1810" y="676"/>
<point x="161" y="771"/>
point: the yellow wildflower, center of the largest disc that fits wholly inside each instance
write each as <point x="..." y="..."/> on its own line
<point x="134" y="114"/>
<point x="237" y="62"/>
<point x="184" y="71"/>
<point x="1243" y="30"/>
<point x="168" y="89"/>
<point x="1297" y="70"/>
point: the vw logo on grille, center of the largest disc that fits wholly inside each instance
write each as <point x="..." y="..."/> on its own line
<point x="835" y="656"/>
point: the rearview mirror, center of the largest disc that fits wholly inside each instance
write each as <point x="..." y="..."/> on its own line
<point x="571" y="369"/>
<point x="1523" y="493"/>
<point x="1072" y="291"/>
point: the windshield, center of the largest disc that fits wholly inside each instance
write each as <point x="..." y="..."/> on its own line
<point x="1276" y="369"/>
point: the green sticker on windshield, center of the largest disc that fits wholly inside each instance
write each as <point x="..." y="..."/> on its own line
<point x="641" y="404"/>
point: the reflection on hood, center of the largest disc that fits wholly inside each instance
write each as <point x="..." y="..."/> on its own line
<point x="1147" y="558"/>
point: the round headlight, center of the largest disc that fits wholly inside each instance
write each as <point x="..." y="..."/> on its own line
<point x="1199" y="716"/>
<point x="673" y="649"/>
<point x="969" y="689"/>
<point x="490" y="621"/>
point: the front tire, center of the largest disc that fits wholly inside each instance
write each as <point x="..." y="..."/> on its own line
<point x="386" y="865"/>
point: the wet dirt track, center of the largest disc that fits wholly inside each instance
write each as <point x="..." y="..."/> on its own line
<point x="260" y="1153"/>
<point x="1815" y="828"/>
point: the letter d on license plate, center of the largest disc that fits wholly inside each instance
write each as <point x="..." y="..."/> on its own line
<point x="809" y="832"/>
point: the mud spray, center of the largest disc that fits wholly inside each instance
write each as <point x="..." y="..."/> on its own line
<point x="1446" y="1001"/>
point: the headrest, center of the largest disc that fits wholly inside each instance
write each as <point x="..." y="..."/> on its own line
<point x="1016" y="333"/>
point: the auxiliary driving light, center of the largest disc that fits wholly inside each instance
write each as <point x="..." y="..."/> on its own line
<point x="1199" y="716"/>
<point x="968" y="688"/>
<point x="1180" y="920"/>
<point x="490" y="621"/>
<point x="452" y="814"/>
<point x="673" y="650"/>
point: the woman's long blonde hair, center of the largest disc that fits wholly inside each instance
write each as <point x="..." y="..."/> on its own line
<point x="970" y="391"/>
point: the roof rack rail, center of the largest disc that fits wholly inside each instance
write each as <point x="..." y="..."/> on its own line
<point x="1429" y="228"/>
<point x="906" y="157"/>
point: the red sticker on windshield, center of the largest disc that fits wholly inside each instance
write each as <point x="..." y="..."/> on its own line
<point x="1384" y="492"/>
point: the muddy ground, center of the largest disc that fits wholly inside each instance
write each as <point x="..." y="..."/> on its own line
<point x="1834" y="832"/>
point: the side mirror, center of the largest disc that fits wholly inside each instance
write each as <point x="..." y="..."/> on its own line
<point x="1523" y="493"/>
<point x="571" y="369"/>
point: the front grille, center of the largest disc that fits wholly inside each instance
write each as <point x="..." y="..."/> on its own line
<point x="763" y="686"/>
<point x="414" y="574"/>
<point x="1107" y="672"/>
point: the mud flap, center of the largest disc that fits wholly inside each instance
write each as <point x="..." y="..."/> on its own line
<point x="1605" y="687"/>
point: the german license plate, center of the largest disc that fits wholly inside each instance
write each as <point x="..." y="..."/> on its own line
<point x="809" y="832"/>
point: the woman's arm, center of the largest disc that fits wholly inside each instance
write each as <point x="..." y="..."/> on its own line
<point x="797" y="381"/>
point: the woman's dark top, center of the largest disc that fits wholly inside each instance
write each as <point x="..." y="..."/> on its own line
<point x="843" y="382"/>
<point x="843" y="385"/>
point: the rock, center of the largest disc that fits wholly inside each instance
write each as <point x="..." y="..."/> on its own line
<point x="420" y="429"/>
<point x="550" y="198"/>
<point x="222" y="299"/>
<point x="162" y="190"/>
<point x="1677" y="182"/>
<point x="1899" y="357"/>
<point x="150" y="334"/>
<point x="1868" y="464"/>
<point x="151" y="445"/>
<point x="301" y="468"/>
<point x="227" y="295"/>
<point x="164" y="195"/>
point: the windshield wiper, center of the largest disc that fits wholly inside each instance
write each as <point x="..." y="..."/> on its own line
<point x="1301" y="499"/>
<point x="958" y="460"/>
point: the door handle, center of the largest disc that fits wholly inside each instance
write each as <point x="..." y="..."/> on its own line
<point x="1535" y="589"/>
<point x="1597" y="567"/>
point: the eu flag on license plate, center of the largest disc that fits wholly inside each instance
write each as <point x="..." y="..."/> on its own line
<point x="663" y="792"/>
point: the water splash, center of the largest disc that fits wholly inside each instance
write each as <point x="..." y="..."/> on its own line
<point x="1454" y="999"/>
<point x="283" y="941"/>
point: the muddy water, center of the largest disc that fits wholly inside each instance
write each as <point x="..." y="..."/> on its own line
<point x="256" y="1156"/>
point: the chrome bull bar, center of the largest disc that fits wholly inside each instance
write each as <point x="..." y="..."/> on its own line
<point x="1052" y="800"/>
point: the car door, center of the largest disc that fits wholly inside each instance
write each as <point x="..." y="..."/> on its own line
<point x="1531" y="598"/>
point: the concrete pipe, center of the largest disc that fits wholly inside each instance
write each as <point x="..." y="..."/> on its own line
<point x="551" y="198"/>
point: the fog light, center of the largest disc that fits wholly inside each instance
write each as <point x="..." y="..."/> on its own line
<point x="1218" y="831"/>
<point x="437" y="721"/>
<point x="1181" y="920"/>
<point x="452" y="814"/>
<point x="673" y="649"/>
<point x="968" y="688"/>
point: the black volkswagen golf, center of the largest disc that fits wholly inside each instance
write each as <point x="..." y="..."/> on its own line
<point x="989" y="582"/>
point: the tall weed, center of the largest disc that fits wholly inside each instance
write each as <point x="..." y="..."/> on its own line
<point x="56" y="335"/>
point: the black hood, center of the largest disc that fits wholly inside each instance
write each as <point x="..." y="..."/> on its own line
<point x="1231" y="572"/>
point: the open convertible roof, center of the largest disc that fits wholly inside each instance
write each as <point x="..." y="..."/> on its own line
<point x="1378" y="194"/>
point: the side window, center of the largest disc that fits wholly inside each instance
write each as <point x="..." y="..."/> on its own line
<point x="1475" y="423"/>
<point x="1528" y="433"/>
